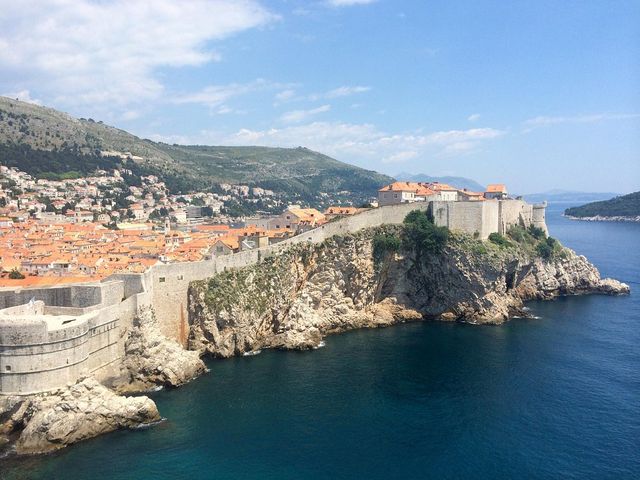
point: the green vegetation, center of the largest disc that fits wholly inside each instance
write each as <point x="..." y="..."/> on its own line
<point x="385" y="243"/>
<point x="421" y="235"/>
<point x="15" y="274"/>
<point x="624" y="206"/>
<point x="299" y="173"/>
<point x="499" y="240"/>
<point x="549" y="248"/>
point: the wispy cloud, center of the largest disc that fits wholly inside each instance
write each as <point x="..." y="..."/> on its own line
<point x="296" y="116"/>
<point x="291" y="95"/>
<point x="216" y="95"/>
<point x="474" y="117"/>
<point x="345" y="91"/>
<point x="348" y="3"/>
<point x="543" y="121"/>
<point x="364" y="143"/>
<point x="108" y="53"/>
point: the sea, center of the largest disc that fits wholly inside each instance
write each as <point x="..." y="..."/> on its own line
<point x="554" y="397"/>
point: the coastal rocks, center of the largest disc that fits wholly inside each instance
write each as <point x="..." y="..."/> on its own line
<point x="152" y="360"/>
<point x="602" y="218"/>
<point x="47" y="422"/>
<point x="293" y="299"/>
<point x="570" y="274"/>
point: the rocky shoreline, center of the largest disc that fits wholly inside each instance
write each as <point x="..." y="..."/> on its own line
<point x="601" y="218"/>
<point x="293" y="300"/>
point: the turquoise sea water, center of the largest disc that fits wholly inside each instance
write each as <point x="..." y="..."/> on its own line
<point x="556" y="397"/>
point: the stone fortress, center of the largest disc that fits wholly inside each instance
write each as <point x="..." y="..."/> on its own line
<point x="50" y="337"/>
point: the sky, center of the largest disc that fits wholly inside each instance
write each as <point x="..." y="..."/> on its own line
<point x="537" y="94"/>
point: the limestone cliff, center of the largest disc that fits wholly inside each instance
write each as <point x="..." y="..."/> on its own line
<point x="46" y="422"/>
<point x="295" y="298"/>
<point x="152" y="360"/>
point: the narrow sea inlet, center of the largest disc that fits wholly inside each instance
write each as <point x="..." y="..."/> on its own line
<point x="555" y="397"/>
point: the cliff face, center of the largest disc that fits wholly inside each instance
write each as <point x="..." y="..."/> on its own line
<point x="294" y="299"/>
<point x="47" y="422"/>
<point x="152" y="360"/>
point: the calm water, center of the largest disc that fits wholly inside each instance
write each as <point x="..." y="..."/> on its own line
<point x="557" y="397"/>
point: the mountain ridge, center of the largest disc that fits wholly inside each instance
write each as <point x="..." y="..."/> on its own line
<point x="302" y="172"/>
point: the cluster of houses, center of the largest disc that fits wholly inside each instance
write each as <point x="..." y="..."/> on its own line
<point x="407" y="192"/>
<point x="51" y="253"/>
<point x="59" y="231"/>
<point x="106" y="198"/>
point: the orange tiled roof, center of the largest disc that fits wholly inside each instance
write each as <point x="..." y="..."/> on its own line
<point x="417" y="188"/>
<point x="497" y="188"/>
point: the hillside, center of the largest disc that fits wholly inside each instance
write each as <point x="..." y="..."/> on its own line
<point x="624" y="206"/>
<point x="460" y="182"/>
<point x="47" y="143"/>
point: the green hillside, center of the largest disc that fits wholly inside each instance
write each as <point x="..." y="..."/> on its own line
<point x="50" y="144"/>
<point x="623" y="206"/>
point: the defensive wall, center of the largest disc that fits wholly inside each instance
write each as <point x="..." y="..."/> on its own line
<point x="51" y="336"/>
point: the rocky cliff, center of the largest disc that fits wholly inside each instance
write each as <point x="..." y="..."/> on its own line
<point x="295" y="298"/>
<point x="47" y="422"/>
<point x="152" y="360"/>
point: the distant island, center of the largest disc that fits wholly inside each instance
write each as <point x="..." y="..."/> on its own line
<point x="625" y="208"/>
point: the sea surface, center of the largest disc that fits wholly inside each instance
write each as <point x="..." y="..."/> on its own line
<point x="553" y="397"/>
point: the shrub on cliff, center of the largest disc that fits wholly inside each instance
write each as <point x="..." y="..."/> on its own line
<point x="499" y="240"/>
<point x="549" y="248"/>
<point x="537" y="232"/>
<point x="384" y="243"/>
<point x="421" y="235"/>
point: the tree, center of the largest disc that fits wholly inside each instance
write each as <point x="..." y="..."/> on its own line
<point x="421" y="235"/>
<point x="15" y="274"/>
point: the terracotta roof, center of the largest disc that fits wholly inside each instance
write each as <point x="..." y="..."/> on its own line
<point x="497" y="188"/>
<point x="417" y="188"/>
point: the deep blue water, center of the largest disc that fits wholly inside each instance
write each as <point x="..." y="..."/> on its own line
<point x="556" y="397"/>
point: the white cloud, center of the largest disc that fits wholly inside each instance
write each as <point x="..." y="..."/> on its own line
<point x="360" y="142"/>
<point x="400" y="157"/>
<point x="109" y="52"/>
<point x="345" y="91"/>
<point x="543" y="121"/>
<point x="474" y="117"/>
<point x="285" y="95"/>
<point x="296" y="116"/>
<point x="24" y="96"/>
<point x="348" y="3"/>
<point x="216" y="95"/>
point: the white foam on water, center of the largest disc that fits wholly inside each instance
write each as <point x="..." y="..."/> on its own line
<point x="251" y="353"/>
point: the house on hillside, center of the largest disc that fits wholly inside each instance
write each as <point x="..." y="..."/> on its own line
<point x="225" y="246"/>
<point x="404" y="192"/>
<point x="445" y="192"/>
<point x="496" y="191"/>
<point x="469" y="196"/>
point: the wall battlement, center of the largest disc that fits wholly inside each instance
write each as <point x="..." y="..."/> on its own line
<point x="49" y="337"/>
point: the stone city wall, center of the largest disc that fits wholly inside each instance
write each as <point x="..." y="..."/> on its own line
<point x="43" y="348"/>
<point x="39" y="352"/>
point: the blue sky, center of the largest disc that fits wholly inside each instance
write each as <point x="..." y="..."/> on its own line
<point x="540" y="95"/>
